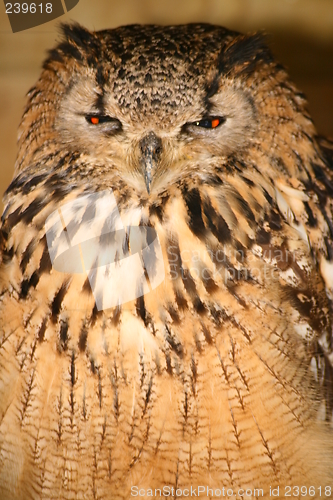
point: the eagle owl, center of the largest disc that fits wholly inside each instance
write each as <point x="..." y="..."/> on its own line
<point x="166" y="275"/>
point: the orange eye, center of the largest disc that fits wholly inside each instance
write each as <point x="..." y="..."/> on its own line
<point x="111" y="125"/>
<point x="210" y="122"/>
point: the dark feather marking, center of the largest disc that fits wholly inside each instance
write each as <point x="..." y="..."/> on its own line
<point x="83" y="338"/>
<point x="265" y="443"/>
<point x="329" y="249"/>
<point x="208" y="281"/>
<point x="28" y="283"/>
<point x="263" y="237"/>
<point x="20" y="345"/>
<point x="147" y="396"/>
<point x="193" y="202"/>
<point x="197" y="342"/>
<point x="236" y="432"/>
<point x="42" y="329"/>
<point x="45" y="264"/>
<point x="224" y="370"/>
<point x="322" y="177"/>
<point x="28" y="318"/>
<point x="125" y="246"/>
<point x="16" y="183"/>
<point x="24" y="289"/>
<point x="206" y="333"/>
<point x="99" y="101"/>
<point x="175" y="263"/>
<point x="95" y="314"/>
<point x="174" y="343"/>
<point x="214" y="180"/>
<point x="168" y="363"/>
<point x="93" y="366"/>
<point x="194" y="374"/>
<point x="247" y="181"/>
<point x="306" y="303"/>
<point x="27" y="254"/>
<point x="245" y="209"/>
<point x="312" y="221"/>
<point x="140" y="309"/>
<point x="34" y="181"/>
<point x="60" y="413"/>
<point x="218" y="315"/>
<point x="116" y="315"/>
<point x="174" y="314"/>
<point x="174" y="258"/>
<point x="268" y="197"/>
<point x="188" y="282"/>
<point x="114" y="383"/>
<point x="232" y="288"/>
<point x="86" y="288"/>
<point x="7" y="254"/>
<point x="185" y="411"/>
<point x="57" y="300"/>
<point x="89" y="213"/>
<point x="181" y="301"/>
<point x="156" y="209"/>
<point x="190" y="287"/>
<point x="73" y="380"/>
<point x="32" y="210"/>
<point x="100" y="391"/>
<point x="142" y="369"/>
<point x="27" y="396"/>
<point x="274" y="220"/>
<point x="12" y="219"/>
<point x="63" y="336"/>
<point x="60" y="177"/>
<point x="216" y="223"/>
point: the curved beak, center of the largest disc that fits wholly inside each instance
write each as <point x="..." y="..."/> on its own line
<point x="151" y="149"/>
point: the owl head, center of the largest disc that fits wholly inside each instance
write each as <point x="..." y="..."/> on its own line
<point x="149" y="106"/>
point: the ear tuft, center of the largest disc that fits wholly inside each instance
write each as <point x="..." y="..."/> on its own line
<point x="244" y="53"/>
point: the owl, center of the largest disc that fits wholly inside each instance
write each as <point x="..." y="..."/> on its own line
<point x="166" y="276"/>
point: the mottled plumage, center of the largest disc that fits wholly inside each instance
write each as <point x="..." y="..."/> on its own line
<point x="220" y="376"/>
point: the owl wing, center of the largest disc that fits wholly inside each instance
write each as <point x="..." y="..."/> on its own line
<point x="327" y="148"/>
<point x="321" y="189"/>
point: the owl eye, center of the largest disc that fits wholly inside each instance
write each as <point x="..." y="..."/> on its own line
<point x="210" y="122"/>
<point x="99" y="119"/>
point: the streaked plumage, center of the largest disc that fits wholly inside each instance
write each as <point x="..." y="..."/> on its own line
<point x="221" y="375"/>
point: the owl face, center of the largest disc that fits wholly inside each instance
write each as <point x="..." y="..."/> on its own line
<point x="151" y="105"/>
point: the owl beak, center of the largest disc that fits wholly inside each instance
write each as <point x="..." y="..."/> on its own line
<point x="151" y="149"/>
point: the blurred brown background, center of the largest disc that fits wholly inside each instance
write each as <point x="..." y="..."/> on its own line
<point x="301" y="36"/>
